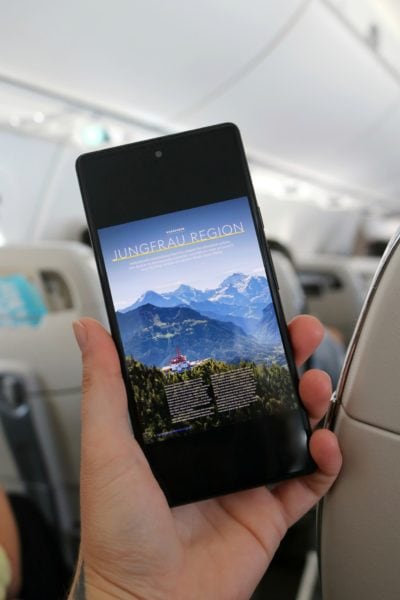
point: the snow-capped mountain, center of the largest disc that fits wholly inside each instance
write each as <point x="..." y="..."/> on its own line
<point x="187" y="294"/>
<point x="238" y="296"/>
<point x="240" y="289"/>
<point x="231" y="322"/>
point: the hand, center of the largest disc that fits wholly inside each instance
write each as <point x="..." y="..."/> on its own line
<point x="132" y="544"/>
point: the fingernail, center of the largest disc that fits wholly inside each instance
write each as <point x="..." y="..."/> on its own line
<point x="80" y="334"/>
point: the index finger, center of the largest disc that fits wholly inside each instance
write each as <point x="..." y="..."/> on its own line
<point x="306" y="333"/>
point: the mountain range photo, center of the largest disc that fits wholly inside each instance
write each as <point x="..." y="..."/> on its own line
<point x="233" y="322"/>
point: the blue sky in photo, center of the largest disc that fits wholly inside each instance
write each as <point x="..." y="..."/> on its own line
<point x="128" y="284"/>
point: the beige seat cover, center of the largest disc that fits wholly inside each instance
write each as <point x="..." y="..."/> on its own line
<point x="359" y="520"/>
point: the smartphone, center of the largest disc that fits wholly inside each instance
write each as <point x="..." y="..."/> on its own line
<point x="193" y="304"/>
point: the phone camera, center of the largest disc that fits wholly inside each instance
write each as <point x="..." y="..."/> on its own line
<point x="158" y="154"/>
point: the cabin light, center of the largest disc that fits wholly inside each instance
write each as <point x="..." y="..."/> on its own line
<point x="322" y="200"/>
<point x="338" y="202"/>
<point x="269" y="184"/>
<point x="39" y="117"/>
<point x="54" y="128"/>
<point x="14" y="121"/>
<point x="94" y="135"/>
<point x="307" y="191"/>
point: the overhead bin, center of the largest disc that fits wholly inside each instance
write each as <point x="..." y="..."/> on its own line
<point x="317" y="95"/>
<point x="152" y="59"/>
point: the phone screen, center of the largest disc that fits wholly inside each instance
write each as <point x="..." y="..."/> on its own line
<point x="193" y="306"/>
<point x="197" y="320"/>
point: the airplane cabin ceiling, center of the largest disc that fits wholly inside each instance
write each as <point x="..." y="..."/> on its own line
<point x="313" y="84"/>
<point x="152" y="58"/>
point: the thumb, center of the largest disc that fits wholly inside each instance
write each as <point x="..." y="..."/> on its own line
<point x="104" y="402"/>
<point x="114" y="470"/>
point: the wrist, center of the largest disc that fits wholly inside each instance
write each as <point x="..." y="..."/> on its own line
<point x="90" y="585"/>
<point x="98" y="587"/>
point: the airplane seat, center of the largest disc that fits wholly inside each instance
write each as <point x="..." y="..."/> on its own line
<point x="365" y="268"/>
<point x="330" y="354"/>
<point x="290" y="289"/>
<point x="335" y="291"/>
<point x="43" y="288"/>
<point x="359" y="519"/>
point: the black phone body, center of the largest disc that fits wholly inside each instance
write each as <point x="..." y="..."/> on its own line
<point x="194" y="310"/>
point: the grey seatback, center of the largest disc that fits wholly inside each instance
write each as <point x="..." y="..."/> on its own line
<point x="43" y="289"/>
<point x="290" y="289"/>
<point x="330" y="353"/>
<point x="335" y="290"/>
<point x="30" y="446"/>
<point x="359" y="520"/>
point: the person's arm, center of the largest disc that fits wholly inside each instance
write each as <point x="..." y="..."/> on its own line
<point x="133" y="546"/>
<point x="9" y="541"/>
